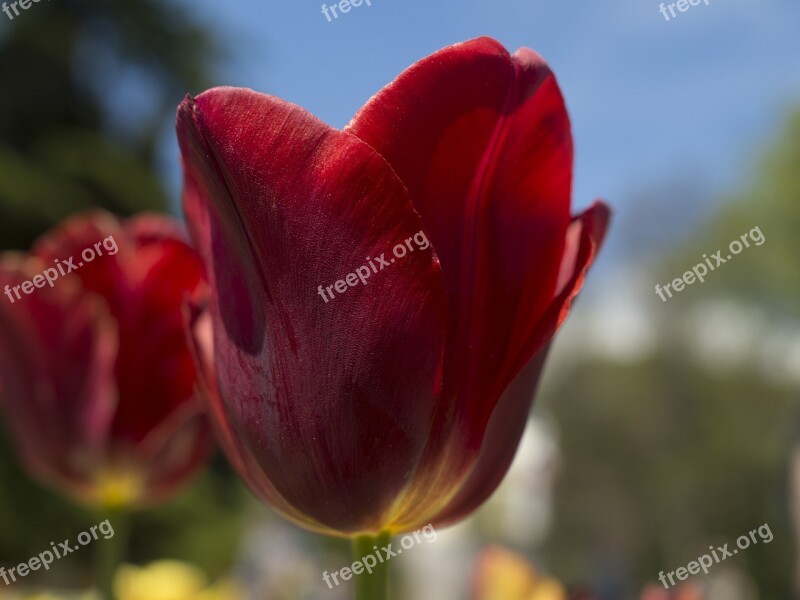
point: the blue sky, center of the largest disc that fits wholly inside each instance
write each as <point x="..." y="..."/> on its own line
<point x="651" y="101"/>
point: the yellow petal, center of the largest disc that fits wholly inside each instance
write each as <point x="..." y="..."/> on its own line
<point x="162" y="580"/>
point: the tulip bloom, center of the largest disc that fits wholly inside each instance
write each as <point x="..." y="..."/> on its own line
<point x="504" y="575"/>
<point x="684" y="591"/>
<point x="96" y="379"/>
<point x="170" y="579"/>
<point x="402" y="401"/>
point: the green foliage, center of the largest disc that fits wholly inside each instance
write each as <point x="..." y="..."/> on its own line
<point x="70" y="138"/>
<point x="202" y="524"/>
<point x="766" y="275"/>
<point x="665" y="456"/>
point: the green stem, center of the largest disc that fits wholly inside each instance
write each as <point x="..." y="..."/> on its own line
<point x="375" y="585"/>
<point x="109" y="553"/>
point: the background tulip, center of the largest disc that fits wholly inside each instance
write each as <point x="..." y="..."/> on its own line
<point x="171" y="580"/>
<point x="96" y="379"/>
<point x="402" y="401"/>
<point x="503" y="575"/>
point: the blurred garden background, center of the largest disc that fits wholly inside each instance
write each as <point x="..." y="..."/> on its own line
<point x="660" y="428"/>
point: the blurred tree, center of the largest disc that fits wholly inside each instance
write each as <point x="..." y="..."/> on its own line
<point x="766" y="276"/>
<point x="669" y="453"/>
<point x="663" y="458"/>
<point x="86" y="86"/>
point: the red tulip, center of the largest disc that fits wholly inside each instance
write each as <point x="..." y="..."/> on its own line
<point x="684" y="591"/>
<point x="362" y="388"/>
<point x="96" y="378"/>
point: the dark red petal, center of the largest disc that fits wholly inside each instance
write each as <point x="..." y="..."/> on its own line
<point x="583" y="241"/>
<point x="174" y="451"/>
<point x="448" y="459"/>
<point x="201" y="337"/>
<point x="332" y="400"/>
<point x="145" y="271"/>
<point x="57" y="351"/>
<point x="500" y="443"/>
<point x="508" y="420"/>
<point x="482" y="141"/>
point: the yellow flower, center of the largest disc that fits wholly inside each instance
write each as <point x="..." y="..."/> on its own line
<point x="170" y="580"/>
<point x="46" y="596"/>
<point x="504" y="575"/>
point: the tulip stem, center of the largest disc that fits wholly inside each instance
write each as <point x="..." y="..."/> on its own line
<point x="110" y="553"/>
<point x="374" y="585"/>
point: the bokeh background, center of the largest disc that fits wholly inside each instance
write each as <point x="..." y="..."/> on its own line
<point x="660" y="428"/>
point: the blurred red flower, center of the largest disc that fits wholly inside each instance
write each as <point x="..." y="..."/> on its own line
<point x="684" y="591"/>
<point x="403" y="401"/>
<point x="96" y="378"/>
